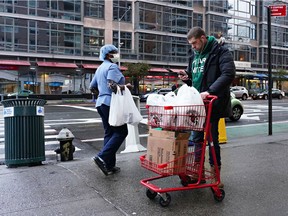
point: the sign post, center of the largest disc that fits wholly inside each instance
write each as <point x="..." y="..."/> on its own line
<point x="272" y="10"/>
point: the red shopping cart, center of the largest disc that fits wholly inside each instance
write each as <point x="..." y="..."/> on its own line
<point x="191" y="171"/>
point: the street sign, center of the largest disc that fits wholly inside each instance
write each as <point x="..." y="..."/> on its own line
<point x="278" y="10"/>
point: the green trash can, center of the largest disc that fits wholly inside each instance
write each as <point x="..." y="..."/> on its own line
<point x="24" y="131"/>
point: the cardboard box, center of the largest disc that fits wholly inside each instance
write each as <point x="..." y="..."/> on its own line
<point x="168" y="146"/>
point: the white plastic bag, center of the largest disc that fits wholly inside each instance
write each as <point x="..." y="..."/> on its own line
<point x="187" y="95"/>
<point x="194" y="115"/>
<point x="123" y="109"/>
<point x="155" y="100"/>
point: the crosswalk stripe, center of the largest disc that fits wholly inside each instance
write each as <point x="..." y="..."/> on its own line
<point x="2" y="139"/>
<point x="2" y="145"/>
<point x="47" y="131"/>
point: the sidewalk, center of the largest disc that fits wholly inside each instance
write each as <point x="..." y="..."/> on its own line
<point x="254" y="172"/>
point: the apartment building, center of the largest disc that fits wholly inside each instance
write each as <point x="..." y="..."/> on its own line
<point x="52" y="46"/>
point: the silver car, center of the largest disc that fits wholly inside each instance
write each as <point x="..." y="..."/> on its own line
<point x="240" y="92"/>
<point x="162" y="91"/>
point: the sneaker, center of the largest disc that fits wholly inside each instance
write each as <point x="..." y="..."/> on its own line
<point x="100" y="164"/>
<point x="114" y="170"/>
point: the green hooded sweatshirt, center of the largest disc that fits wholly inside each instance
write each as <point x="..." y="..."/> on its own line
<point x="199" y="62"/>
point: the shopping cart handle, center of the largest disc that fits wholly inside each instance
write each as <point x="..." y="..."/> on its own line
<point x="211" y="97"/>
<point x="142" y="158"/>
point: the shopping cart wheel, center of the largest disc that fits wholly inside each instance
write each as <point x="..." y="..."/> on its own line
<point x="151" y="194"/>
<point x="165" y="200"/>
<point x="220" y="197"/>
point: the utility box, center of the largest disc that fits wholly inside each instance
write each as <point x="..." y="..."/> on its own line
<point x="24" y="131"/>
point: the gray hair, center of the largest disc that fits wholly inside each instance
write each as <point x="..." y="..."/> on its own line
<point x="196" y="32"/>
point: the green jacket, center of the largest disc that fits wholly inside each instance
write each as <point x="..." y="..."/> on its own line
<point x="199" y="62"/>
<point x="218" y="74"/>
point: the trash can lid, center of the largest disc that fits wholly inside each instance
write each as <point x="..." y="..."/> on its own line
<point x="23" y="102"/>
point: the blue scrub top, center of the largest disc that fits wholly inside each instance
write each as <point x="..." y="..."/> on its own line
<point x="106" y="71"/>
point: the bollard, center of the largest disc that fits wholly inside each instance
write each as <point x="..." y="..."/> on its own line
<point x="66" y="150"/>
<point x="132" y="141"/>
<point x="222" y="131"/>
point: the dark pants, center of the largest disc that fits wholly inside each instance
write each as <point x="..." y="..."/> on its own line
<point x="113" y="138"/>
<point x="198" y="138"/>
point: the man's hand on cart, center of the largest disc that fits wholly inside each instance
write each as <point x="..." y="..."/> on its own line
<point x="204" y="95"/>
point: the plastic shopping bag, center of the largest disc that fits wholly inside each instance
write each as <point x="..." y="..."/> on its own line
<point x="194" y="115"/>
<point x="123" y="109"/>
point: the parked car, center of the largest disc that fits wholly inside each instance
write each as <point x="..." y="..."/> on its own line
<point x="253" y="92"/>
<point x="162" y="91"/>
<point x="237" y="108"/>
<point x="276" y="93"/>
<point x="23" y="92"/>
<point x="240" y="92"/>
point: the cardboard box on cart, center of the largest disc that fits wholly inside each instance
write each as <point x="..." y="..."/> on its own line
<point x="168" y="146"/>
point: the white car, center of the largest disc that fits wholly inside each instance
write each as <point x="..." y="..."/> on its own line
<point x="240" y="92"/>
<point x="162" y="91"/>
<point x="23" y="92"/>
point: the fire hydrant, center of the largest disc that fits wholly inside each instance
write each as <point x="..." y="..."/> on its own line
<point x="66" y="149"/>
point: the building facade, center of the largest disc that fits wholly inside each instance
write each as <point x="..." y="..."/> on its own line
<point x="52" y="46"/>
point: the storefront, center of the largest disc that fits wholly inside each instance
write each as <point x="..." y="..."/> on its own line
<point x="12" y="72"/>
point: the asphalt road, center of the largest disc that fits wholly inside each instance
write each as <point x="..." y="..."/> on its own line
<point x="86" y="124"/>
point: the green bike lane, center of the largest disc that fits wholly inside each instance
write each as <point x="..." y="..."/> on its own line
<point x="255" y="129"/>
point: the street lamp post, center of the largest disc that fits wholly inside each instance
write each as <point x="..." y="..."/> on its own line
<point x="119" y="37"/>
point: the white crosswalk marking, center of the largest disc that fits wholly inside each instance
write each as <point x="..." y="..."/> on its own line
<point x="51" y="143"/>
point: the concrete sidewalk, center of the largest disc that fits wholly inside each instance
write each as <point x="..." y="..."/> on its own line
<point x="254" y="172"/>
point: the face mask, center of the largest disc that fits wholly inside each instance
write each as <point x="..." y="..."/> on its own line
<point x="115" y="58"/>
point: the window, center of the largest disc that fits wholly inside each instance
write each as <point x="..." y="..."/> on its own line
<point x="94" y="8"/>
<point x="164" y="18"/>
<point x="163" y="48"/>
<point x="93" y="41"/>
<point x="125" y="40"/>
<point x="121" y="10"/>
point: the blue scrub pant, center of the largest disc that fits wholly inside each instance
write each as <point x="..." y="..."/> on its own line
<point x="113" y="138"/>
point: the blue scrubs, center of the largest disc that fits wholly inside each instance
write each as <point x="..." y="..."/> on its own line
<point x="113" y="136"/>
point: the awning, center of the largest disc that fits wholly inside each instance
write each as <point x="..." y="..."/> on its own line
<point x="175" y="70"/>
<point x="31" y="83"/>
<point x="246" y="73"/>
<point x="162" y="70"/>
<point x="122" y="68"/>
<point x="57" y="64"/>
<point x="261" y="76"/>
<point x="90" y="66"/>
<point x="95" y="66"/>
<point x="56" y="84"/>
<point x="15" y="62"/>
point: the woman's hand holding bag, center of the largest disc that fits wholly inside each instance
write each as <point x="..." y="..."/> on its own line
<point x="123" y="109"/>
